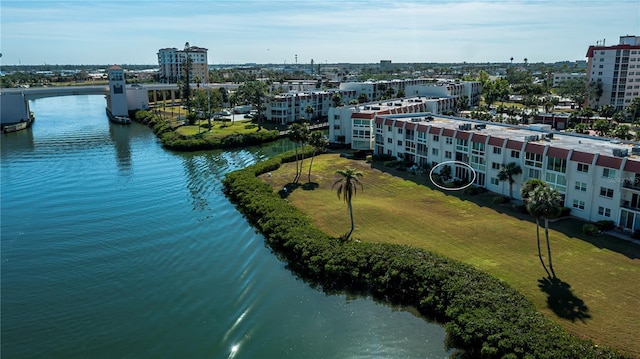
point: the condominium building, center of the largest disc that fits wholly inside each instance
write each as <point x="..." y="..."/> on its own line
<point x="351" y="124"/>
<point x="292" y="106"/>
<point x="171" y="62"/>
<point x="436" y="88"/>
<point x="599" y="179"/>
<point x="560" y="77"/>
<point x="616" y="69"/>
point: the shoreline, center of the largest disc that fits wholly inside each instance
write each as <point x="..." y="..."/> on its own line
<point x="466" y="299"/>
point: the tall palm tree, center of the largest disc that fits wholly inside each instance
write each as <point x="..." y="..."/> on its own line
<point x="297" y="135"/>
<point x="526" y="190"/>
<point x="507" y="172"/>
<point x="347" y="187"/>
<point x="545" y="202"/>
<point x="309" y="110"/>
<point x="318" y="142"/>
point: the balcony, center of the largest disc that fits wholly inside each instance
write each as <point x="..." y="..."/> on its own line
<point x="629" y="184"/>
<point x="628" y="205"/>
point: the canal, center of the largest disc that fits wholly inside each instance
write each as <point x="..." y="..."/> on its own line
<point x="113" y="247"/>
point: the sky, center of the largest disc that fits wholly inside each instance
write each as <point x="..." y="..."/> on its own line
<point x="83" y="32"/>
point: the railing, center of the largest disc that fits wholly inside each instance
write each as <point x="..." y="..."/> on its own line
<point x="627" y="204"/>
<point x="632" y="184"/>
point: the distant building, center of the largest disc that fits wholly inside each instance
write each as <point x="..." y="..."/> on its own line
<point x="171" y="62"/>
<point x="560" y="77"/>
<point x="434" y="88"/>
<point x="616" y="70"/>
<point x="291" y="107"/>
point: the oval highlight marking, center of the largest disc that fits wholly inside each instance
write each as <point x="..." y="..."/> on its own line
<point x="454" y="188"/>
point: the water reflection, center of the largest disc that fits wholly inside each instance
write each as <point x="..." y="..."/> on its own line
<point x="121" y="137"/>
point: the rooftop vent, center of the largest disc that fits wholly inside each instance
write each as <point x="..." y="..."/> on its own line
<point x="465" y="127"/>
<point x="620" y="152"/>
<point x="635" y="150"/>
<point x="480" y="126"/>
<point x="416" y="119"/>
<point x="531" y="138"/>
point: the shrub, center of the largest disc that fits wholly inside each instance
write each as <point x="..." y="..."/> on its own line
<point x="636" y="234"/>
<point x="369" y="158"/>
<point x="501" y="200"/>
<point x="590" y="229"/>
<point x="384" y="158"/>
<point x="564" y="212"/>
<point x="605" y="225"/>
<point x="521" y="208"/>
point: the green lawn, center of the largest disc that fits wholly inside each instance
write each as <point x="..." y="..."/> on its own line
<point x="603" y="272"/>
<point x="219" y="129"/>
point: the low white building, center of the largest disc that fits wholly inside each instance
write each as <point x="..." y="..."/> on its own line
<point x="291" y="107"/>
<point x="599" y="179"/>
<point x="560" y="77"/>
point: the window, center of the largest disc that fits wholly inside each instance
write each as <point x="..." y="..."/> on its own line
<point x="389" y="128"/>
<point x="581" y="186"/>
<point x="533" y="159"/>
<point x="583" y="168"/>
<point x="604" y="211"/>
<point x="495" y="166"/>
<point x="608" y="173"/>
<point x="494" y="181"/>
<point x="533" y="173"/>
<point x="449" y="140"/>
<point x="557" y="164"/>
<point x="400" y="131"/>
<point x="434" y="151"/>
<point x="578" y="204"/>
<point x="389" y="140"/>
<point x="515" y="154"/>
<point x="399" y="142"/>
<point x="436" y="138"/>
<point x="606" y="192"/>
<point x="448" y="154"/>
<point x="497" y="150"/>
<point x="557" y="181"/>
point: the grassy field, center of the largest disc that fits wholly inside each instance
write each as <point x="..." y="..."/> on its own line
<point x="219" y="129"/>
<point x="600" y="276"/>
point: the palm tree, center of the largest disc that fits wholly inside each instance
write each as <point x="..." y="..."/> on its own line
<point x="527" y="188"/>
<point x="347" y="187"/>
<point x="545" y="202"/>
<point x="309" y="111"/>
<point x="507" y="172"/>
<point x="318" y="142"/>
<point x="297" y="135"/>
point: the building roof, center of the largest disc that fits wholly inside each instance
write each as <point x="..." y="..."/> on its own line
<point x="114" y="67"/>
<point x="585" y="147"/>
<point x="592" y="48"/>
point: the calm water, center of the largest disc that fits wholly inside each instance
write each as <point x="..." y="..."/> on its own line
<point x="113" y="247"/>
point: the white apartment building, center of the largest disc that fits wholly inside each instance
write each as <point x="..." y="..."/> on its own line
<point x="560" y="77"/>
<point x="599" y="179"/>
<point x="291" y="106"/>
<point x="351" y="124"/>
<point x="171" y="62"/>
<point x="617" y="69"/>
<point x="428" y="87"/>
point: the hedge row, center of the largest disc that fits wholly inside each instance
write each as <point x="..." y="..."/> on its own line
<point x="483" y="316"/>
<point x="174" y="141"/>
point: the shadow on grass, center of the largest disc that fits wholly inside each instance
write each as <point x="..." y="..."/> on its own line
<point x="287" y="189"/>
<point x="310" y="186"/>
<point x="562" y="301"/>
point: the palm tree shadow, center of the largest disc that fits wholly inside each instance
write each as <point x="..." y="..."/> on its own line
<point x="310" y="186"/>
<point x="562" y="301"/>
<point x="287" y="189"/>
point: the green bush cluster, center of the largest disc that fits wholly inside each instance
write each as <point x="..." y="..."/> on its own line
<point x="500" y="199"/>
<point x="605" y="225"/>
<point x="174" y="141"/>
<point x="590" y="229"/>
<point x="483" y="316"/>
